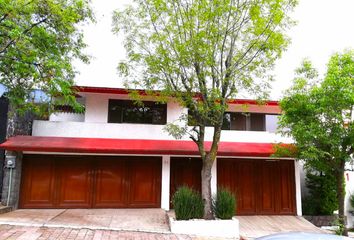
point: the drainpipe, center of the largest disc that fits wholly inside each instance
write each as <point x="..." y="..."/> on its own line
<point x="9" y="188"/>
<point x="10" y="164"/>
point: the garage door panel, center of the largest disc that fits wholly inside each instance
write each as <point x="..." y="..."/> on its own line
<point x="185" y="172"/>
<point x="245" y="185"/>
<point x="75" y="183"/>
<point x="110" y="183"/>
<point x="58" y="181"/>
<point x="286" y="187"/>
<point x="39" y="185"/>
<point x="145" y="181"/>
<point x="267" y="187"/>
<point x="263" y="187"/>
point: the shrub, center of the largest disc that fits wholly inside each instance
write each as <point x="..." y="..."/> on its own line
<point x="322" y="198"/>
<point x="188" y="204"/>
<point x="224" y="204"/>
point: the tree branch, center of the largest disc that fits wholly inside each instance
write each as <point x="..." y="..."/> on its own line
<point x="24" y="32"/>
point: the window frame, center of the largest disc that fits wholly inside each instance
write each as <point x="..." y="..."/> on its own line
<point x="126" y="104"/>
<point x="248" y="123"/>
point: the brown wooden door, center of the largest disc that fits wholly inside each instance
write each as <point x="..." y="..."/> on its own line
<point x="185" y="172"/>
<point x="286" y="188"/>
<point x="267" y="183"/>
<point x="245" y="186"/>
<point x="239" y="178"/>
<point x="144" y="182"/>
<point x="38" y="183"/>
<point x="86" y="182"/>
<point x="110" y="184"/>
<point x="262" y="187"/>
<point x="75" y="178"/>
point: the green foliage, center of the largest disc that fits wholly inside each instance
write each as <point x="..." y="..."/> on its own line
<point x="322" y="198"/>
<point x="340" y="227"/>
<point x="38" y="41"/>
<point x="224" y="204"/>
<point x="318" y="115"/>
<point x="203" y="53"/>
<point x="216" y="48"/>
<point x="187" y="204"/>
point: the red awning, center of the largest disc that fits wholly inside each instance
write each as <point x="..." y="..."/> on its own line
<point x="131" y="146"/>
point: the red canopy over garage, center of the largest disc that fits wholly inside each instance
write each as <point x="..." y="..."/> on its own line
<point x="131" y="146"/>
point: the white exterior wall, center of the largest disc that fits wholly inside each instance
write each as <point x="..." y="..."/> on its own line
<point x="349" y="186"/>
<point x="298" y="168"/>
<point x="95" y="124"/>
<point x="165" y="182"/>
<point x="140" y="131"/>
<point x="67" y="117"/>
<point x="96" y="109"/>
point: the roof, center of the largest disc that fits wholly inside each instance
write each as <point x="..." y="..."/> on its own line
<point x="131" y="146"/>
<point x="124" y="91"/>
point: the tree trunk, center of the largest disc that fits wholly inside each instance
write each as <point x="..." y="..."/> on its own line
<point x="341" y="196"/>
<point x="206" y="190"/>
<point x="208" y="162"/>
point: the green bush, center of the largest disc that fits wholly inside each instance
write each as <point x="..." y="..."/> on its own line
<point x="322" y="198"/>
<point x="188" y="204"/>
<point x="224" y="204"/>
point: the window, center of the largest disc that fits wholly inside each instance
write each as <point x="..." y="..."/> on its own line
<point x="257" y="122"/>
<point x="241" y="121"/>
<point x="125" y="111"/>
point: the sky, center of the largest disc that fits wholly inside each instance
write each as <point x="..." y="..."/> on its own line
<point x="323" y="28"/>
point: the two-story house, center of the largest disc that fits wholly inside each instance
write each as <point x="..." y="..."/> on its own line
<point x="118" y="155"/>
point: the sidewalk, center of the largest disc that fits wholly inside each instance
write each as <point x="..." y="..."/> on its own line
<point x="43" y="233"/>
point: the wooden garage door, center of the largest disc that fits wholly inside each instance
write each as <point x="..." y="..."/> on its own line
<point x="264" y="187"/>
<point x="185" y="171"/>
<point x="90" y="182"/>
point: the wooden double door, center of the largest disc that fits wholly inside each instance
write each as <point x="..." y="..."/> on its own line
<point x="50" y="181"/>
<point x="262" y="187"/>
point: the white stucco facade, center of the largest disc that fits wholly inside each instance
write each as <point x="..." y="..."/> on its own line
<point x="94" y="124"/>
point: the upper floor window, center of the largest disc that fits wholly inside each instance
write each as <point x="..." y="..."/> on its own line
<point x="247" y="121"/>
<point x="244" y="121"/>
<point x="125" y="111"/>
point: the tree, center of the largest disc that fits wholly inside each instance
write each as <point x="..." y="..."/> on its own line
<point x="38" y="41"/>
<point x="202" y="53"/>
<point x="318" y="114"/>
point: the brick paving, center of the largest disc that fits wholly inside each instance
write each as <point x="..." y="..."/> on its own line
<point x="43" y="233"/>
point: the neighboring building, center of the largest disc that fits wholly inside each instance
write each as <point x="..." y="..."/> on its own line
<point x="117" y="155"/>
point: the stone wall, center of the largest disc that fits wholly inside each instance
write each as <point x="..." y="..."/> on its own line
<point x="320" y="221"/>
<point x="15" y="174"/>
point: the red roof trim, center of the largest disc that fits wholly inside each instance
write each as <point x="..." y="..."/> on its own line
<point x="131" y="146"/>
<point x="124" y="91"/>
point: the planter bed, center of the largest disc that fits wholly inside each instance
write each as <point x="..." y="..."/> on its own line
<point x="209" y="228"/>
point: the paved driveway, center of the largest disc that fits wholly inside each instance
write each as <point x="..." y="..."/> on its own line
<point x="145" y="220"/>
<point x="44" y="233"/>
<point x="256" y="226"/>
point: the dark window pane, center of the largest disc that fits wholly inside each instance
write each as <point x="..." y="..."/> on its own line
<point x="238" y="121"/>
<point x="257" y="122"/>
<point x="226" y="125"/>
<point x="114" y="111"/>
<point x="125" y="111"/>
